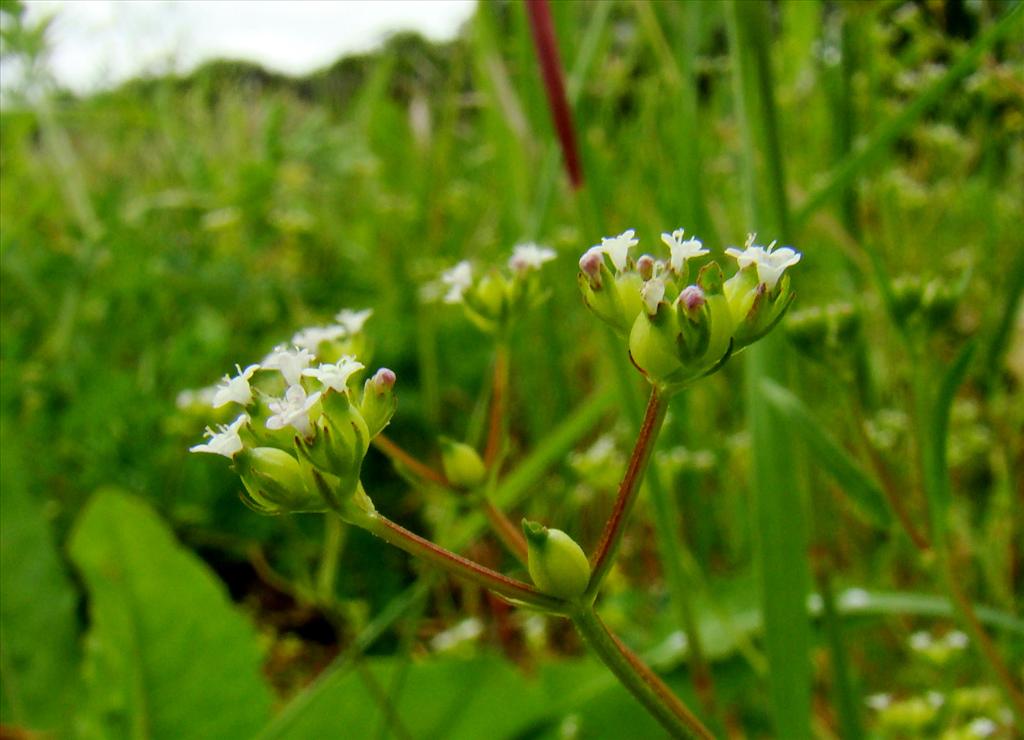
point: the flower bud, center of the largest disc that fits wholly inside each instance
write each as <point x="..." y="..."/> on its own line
<point x="379" y="402"/>
<point x="557" y="565"/>
<point x="462" y="465"/>
<point x="274" y="482"/>
<point x="679" y="342"/>
<point x="340" y="437"/>
<point x="645" y="267"/>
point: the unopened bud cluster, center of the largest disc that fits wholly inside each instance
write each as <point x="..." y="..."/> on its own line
<point x="303" y="431"/>
<point x="492" y="298"/>
<point x="681" y="326"/>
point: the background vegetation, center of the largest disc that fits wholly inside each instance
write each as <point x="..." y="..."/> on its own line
<point x="156" y="234"/>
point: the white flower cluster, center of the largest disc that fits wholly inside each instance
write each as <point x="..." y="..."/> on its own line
<point x="293" y="363"/>
<point x="456" y="281"/>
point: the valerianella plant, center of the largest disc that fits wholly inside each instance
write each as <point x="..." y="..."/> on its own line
<point x="304" y="424"/>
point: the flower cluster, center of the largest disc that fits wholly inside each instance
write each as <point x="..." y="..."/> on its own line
<point x="493" y="298"/>
<point x="680" y="329"/>
<point x="300" y="439"/>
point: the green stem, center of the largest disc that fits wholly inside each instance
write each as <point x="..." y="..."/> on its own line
<point x="629" y="489"/>
<point x="509" y="588"/>
<point x="641" y="681"/>
<point x="327" y="576"/>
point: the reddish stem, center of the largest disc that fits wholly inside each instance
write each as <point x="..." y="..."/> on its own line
<point x="629" y="489"/>
<point x="499" y="583"/>
<point x="543" y="30"/>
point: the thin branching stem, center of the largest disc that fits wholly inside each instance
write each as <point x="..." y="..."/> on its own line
<point x="510" y="588"/>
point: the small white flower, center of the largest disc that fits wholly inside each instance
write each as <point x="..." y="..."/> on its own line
<point x="878" y="702"/>
<point x="235" y="389"/>
<point x="335" y="376"/>
<point x="617" y="247"/>
<point x="293" y="410"/>
<point x="312" y="337"/>
<point x="920" y="641"/>
<point x="982" y="727"/>
<point x="682" y="251"/>
<point x="291" y="362"/>
<point x="770" y="264"/>
<point x="652" y="293"/>
<point x="353" y="321"/>
<point x="957" y="640"/>
<point x="458" y="279"/>
<point x="526" y="257"/>
<point x="225" y="441"/>
<point x="855" y="598"/>
<point x="935" y="698"/>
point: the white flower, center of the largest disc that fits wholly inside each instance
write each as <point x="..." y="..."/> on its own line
<point x="617" y="247"/>
<point x="935" y="698"/>
<point x="957" y="640"/>
<point x="770" y="265"/>
<point x="682" y="250"/>
<point x="526" y="257"/>
<point x="878" y="702"/>
<point x="652" y="293"/>
<point x="293" y="410"/>
<point x="335" y="376"/>
<point x="458" y="279"/>
<point x="920" y="641"/>
<point x="353" y="321"/>
<point x="225" y="441"/>
<point x="291" y="362"/>
<point x="982" y="727"/>
<point x="312" y="336"/>
<point x="235" y="389"/>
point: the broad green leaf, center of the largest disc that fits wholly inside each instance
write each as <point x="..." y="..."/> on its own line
<point x="168" y="656"/>
<point x="466" y="699"/>
<point x="864" y="492"/>
<point x="38" y="629"/>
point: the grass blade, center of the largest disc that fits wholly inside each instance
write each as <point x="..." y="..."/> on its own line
<point x="863" y="490"/>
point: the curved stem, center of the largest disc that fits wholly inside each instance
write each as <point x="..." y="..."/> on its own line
<point x="629" y="488"/>
<point x="641" y="681"/>
<point x="510" y="588"/>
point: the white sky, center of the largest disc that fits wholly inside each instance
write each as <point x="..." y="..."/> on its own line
<point x="98" y="43"/>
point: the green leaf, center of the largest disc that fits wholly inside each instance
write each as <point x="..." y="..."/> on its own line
<point x="465" y="699"/>
<point x="168" y="656"/>
<point x="865" y="493"/>
<point x="38" y="628"/>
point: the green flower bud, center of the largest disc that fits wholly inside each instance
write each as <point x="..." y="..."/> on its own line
<point x="557" y="564"/>
<point x="673" y="344"/>
<point x="274" y="482"/>
<point x="754" y="308"/>
<point x="379" y="403"/>
<point x="614" y="298"/>
<point x="462" y="465"/>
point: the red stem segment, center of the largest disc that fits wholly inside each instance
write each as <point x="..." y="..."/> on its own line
<point x="543" y="30"/>
<point x="497" y="582"/>
<point x="629" y="489"/>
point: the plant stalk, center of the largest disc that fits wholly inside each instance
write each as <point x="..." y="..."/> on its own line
<point x="509" y="588"/>
<point x="629" y="489"/>
<point x="642" y="682"/>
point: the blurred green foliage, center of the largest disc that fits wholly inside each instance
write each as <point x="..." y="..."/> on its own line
<point x="155" y="234"/>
